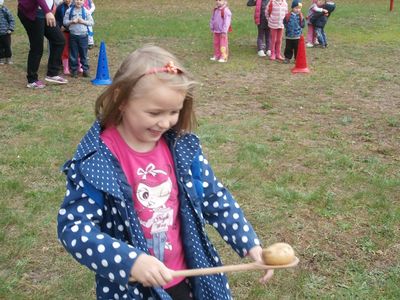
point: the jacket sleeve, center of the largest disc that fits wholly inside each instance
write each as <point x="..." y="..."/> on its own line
<point x="66" y="20"/>
<point x="222" y="211"/>
<point x="227" y="20"/>
<point x="79" y="231"/>
<point x="89" y="21"/>
<point x="11" y="21"/>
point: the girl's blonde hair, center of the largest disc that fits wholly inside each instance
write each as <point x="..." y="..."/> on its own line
<point x="137" y="65"/>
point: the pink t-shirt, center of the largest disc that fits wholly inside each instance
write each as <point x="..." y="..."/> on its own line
<point x="155" y="196"/>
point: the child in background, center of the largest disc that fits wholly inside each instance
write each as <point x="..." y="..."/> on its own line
<point x="294" y="23"/>
<point x="140" y="190"/>
<point x="77" y="19"/>
<point x="7" y="26"/>
<point x="220" y="25"/>
<point x="319" y="20"/>
<point x="316" y="6"/>
<point x="262" y="27"/>
<point x="60" y="13"/>
<point x="89" y="5"/>
<point x="275" y="12"/>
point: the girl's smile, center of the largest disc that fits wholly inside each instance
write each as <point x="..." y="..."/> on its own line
<point x="146" y="117"/>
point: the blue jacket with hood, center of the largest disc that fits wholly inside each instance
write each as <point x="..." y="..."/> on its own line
<point x="99" y="227"/>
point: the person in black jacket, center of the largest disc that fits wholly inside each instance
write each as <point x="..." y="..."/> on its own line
<point x="319" y="20"/>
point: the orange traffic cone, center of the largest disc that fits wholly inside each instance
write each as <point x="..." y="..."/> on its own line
<point x="301" y="59"/>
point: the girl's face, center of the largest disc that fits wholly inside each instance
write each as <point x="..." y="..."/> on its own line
<point x="320" y="2"/>
<point x="68" y="2"/>
<point x="220" y="2"/>
<point x="147" y="117"/>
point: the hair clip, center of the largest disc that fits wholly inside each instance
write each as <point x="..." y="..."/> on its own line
<point x="168" y="68"/>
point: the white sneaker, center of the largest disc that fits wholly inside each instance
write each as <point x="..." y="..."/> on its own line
<point x="222" y="60"/>
<point x="261" y="53"/>
<point x="268" y="53"/>
<point x="56" y="79"/>
<point x="213" y="58"/>
<point x="309" y="45"/>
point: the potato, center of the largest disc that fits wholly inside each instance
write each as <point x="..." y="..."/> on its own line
<point x="278" y="254"/>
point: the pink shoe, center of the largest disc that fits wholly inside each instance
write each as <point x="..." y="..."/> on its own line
<point x="272" y="57"/>
<point x="279" y="57"/>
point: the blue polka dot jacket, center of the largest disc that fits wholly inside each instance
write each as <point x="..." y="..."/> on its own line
<point x="99" y="227"/>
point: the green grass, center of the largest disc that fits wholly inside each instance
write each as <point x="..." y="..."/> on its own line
<point x="313" y="159"/>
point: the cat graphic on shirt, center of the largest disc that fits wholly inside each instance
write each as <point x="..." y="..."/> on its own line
<point x="154" y="198"/>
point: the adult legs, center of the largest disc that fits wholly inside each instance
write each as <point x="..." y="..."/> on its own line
<point x="57" y="42"/>
<point x="35" y="32"/>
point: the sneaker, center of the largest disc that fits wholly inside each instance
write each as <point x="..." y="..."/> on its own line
<point x="222" y="60"/>
<point x="90" y="46"/>
<point x="213" y="58"/>
<point x="268" y="53"/>
<point x="287" y="61"/>
<point x="309" y="45"/>
<point x="8" y="61"/>
<point x="261" y="53"/>
<point x="56" y="79"/>
<point x="2" y="61"/>
<point x="74" y="74"/>
<point x="36" y="85"/>
<point x="86" y="74"/>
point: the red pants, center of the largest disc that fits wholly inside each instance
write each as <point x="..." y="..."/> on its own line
<point x="65" y="53"/>
<point x="221" y="45"/>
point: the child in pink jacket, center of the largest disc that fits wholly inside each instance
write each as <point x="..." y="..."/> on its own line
<point x="275" y="12"/>
<point x="220" y="24"/>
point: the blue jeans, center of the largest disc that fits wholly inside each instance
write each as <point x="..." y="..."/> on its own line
<point x="321" y="36"/>
<point x="78" y="50"/>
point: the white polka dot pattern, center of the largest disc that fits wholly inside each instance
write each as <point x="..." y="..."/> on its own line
<point x="99" y="227"/>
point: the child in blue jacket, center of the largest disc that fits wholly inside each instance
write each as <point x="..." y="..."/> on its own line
<point x="7" y="26"/>
<point x="294" y="23"/>
<point x="140" y="191"/>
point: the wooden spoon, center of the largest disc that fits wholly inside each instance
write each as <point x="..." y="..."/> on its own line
<point x="229" y="268"/>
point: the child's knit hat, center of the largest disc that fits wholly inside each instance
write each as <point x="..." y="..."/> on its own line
<point x="296" y="3"/>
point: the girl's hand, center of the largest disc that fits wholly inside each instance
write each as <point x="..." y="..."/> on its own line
<point x="149" y="271"/>
<point x="255" y="254"/>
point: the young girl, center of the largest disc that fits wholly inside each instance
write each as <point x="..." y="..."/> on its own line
<point x="316" y="7"/>
<point x="140" y="190"/>
<point x="275" y="13"/>
<point x="262" y="27"/>
<point x="60" y="13"/>
<point x="220" y="25"/>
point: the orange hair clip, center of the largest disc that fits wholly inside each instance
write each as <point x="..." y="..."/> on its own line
<point x="168" y="68"/>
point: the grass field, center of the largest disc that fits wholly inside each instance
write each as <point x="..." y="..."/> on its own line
<point x="314" y="159"/>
